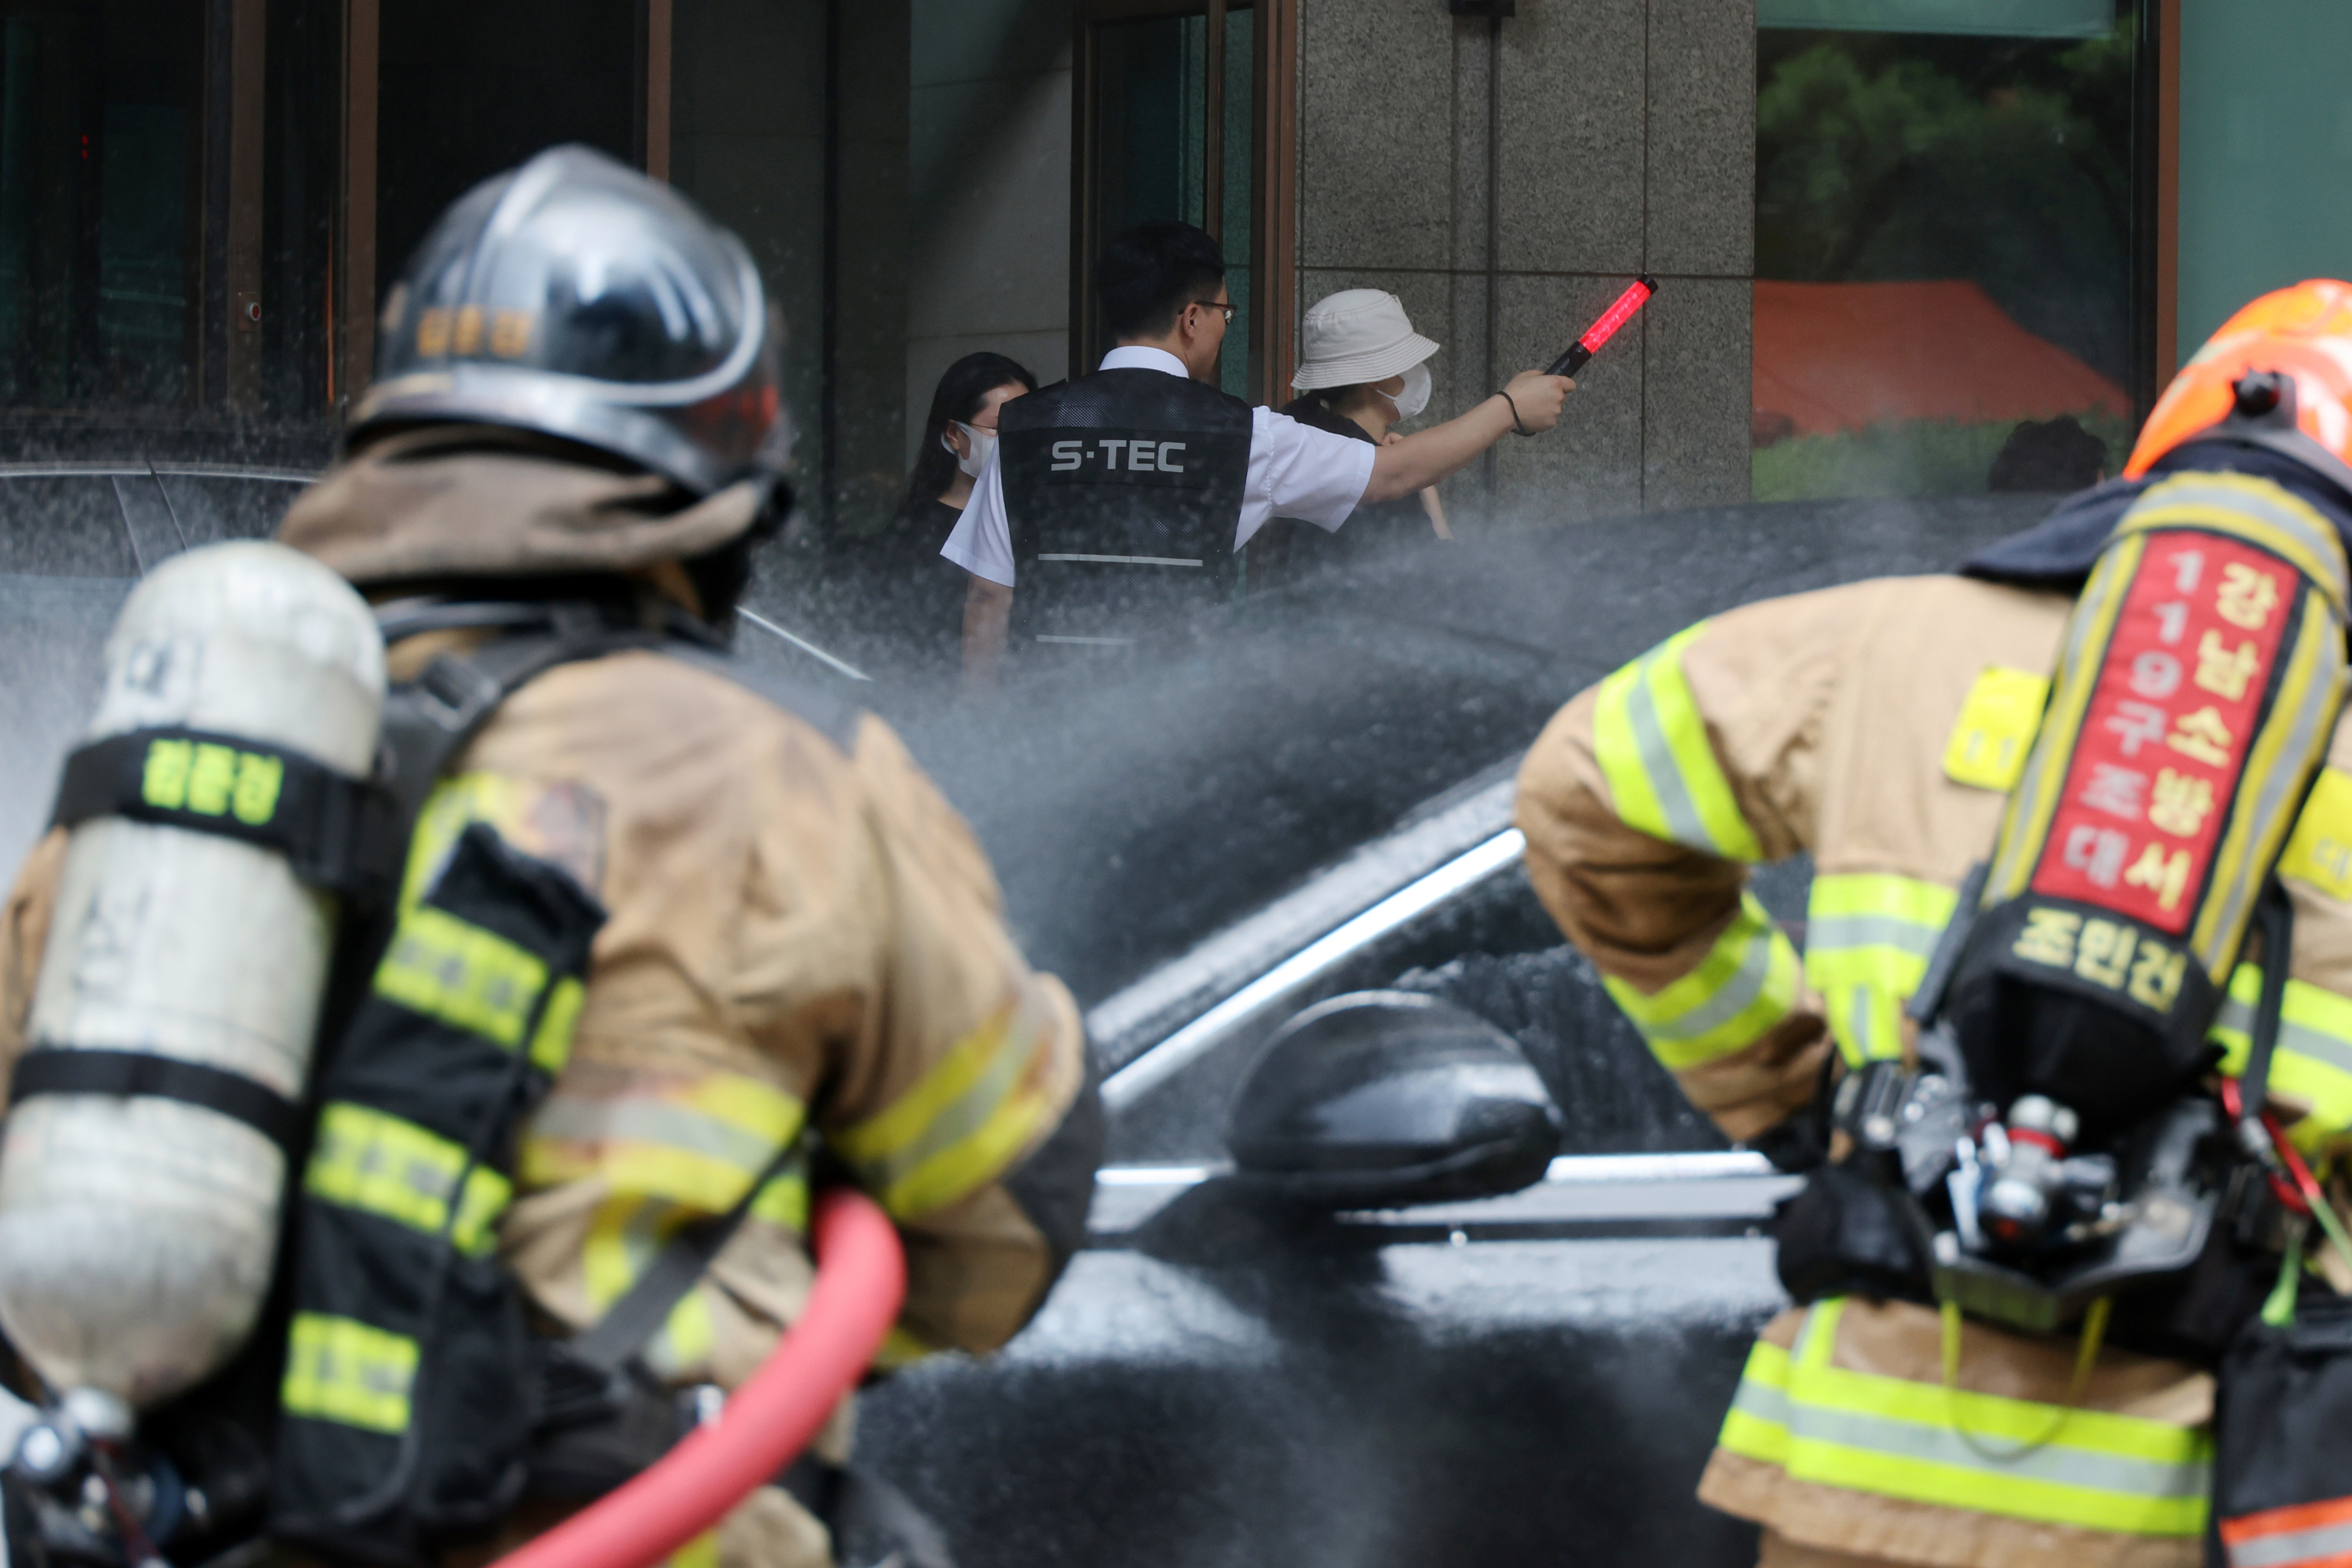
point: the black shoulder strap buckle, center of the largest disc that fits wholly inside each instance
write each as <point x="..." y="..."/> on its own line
<point x="328" y="825"/>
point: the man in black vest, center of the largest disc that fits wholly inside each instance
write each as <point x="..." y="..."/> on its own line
<point x="1119" y="500"/>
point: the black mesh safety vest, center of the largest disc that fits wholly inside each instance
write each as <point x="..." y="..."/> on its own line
<point x="1122" y="491"/>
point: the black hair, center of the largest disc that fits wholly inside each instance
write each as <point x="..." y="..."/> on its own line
<point x="1147" y="276"/>
<point x="961" y="389"/>
<point x="2048" y="454"/>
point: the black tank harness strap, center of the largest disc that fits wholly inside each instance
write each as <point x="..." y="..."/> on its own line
<point x="2274" y="918"/>
<point x="124" y="1073"/>
<point x="333" y="829"/>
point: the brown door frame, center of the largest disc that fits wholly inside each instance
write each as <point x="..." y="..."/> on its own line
<point x="2168" y="192"/>
<point x="241" y="339"/>
<point x="1274" y="240"/>
<point x="653" y="71"/>
<point x="356" y="253"/>
<point x="1274" y="265"/>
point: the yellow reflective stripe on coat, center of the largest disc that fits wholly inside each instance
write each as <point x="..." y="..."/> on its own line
<point x="1868" y="938"/>
<point x="2313" y="1062"/>
<point x="466" y="977"/>
<point x="695" y="1141"/>
<point x="1651" y="742"/>
<point x="1974" y="1452"/>
<point x="702" y="1551"/>
<point x="348" y="1371"/>
<point x="962" y="1122"/>
<point x="668" y="1154"/>
<point x="382" y="1164"/>
<point x="1745" y="985"/>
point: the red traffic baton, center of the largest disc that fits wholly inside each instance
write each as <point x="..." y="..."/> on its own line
<point x="861" y="1279"/>
<point x="1605" y="326"/>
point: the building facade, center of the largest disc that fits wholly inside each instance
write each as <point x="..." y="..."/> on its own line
<point x="1884" y="231"/>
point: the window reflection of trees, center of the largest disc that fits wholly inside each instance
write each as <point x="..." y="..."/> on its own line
<point x="2002" y="162"/>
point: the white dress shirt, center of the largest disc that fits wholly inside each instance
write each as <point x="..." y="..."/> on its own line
<point x="1294" y="469"/>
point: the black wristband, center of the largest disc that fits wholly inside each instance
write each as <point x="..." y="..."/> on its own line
<point x="1512" y="403"/>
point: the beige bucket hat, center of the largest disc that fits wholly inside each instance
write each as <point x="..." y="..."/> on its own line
<point x="1356" y="335"/>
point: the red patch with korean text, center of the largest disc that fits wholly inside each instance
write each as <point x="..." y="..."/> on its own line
<point x="2166" y="734"/>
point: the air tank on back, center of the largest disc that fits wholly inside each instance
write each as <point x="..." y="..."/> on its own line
<point x="137" y="1234"/>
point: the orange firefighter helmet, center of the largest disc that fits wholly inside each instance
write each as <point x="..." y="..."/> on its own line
<point x="2304" y="333"/>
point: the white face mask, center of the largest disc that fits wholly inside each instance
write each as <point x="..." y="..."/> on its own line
<point x="1414" y="397"/>
<point x="983" y="442"/>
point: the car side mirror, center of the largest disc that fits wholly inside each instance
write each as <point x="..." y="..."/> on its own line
<point x="1379" y="1099"/>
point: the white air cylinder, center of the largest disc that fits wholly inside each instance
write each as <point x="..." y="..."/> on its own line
<point x="137" y="1235"/>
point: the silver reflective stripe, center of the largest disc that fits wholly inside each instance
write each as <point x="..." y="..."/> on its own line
<point x="1124" y="560"/>
<point x="2296" y="759"/>
<point x="2052" y="1463"/>
<point x="2291" y="1546"/>
<point x="1871" y="931"/>
<point x="651" y="1122"/>
<point x="1659" y="765"/>
<point x="1861" y="1022"/>
<point x="2302" y="1039"/>
<point x="1763" y="1401"/>
<point x="1741" y="987"/>
<point x="1091" y="642"/>
<point x="971" y="1111"/>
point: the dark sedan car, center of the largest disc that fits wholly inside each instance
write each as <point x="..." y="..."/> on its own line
<point x="1314" y="800"/>
<point x="1311" y="800"/>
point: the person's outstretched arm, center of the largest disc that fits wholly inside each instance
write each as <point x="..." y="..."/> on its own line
<point x="1423" y="459"/>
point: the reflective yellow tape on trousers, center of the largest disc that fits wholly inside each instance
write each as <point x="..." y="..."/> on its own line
<point x="1973" y="1452"/>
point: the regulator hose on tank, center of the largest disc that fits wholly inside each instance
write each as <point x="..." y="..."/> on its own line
<point x="860" y="1281"/>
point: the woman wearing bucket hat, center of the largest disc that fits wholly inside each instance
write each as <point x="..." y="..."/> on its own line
<point x="1364" y="369"/>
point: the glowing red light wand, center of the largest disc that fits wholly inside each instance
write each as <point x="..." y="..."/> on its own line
<point x="1601" y="330"/>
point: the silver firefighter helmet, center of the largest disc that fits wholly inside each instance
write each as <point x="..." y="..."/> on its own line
<point x="578" y="297"/>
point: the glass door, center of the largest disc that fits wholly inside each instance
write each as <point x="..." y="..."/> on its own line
<point x="99" y="116"/>
<point x="1178" y="119"/>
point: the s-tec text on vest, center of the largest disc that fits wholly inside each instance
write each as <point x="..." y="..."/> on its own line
<point x="1141" y="456"/>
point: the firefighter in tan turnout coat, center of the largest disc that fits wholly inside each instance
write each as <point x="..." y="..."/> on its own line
<point x="802" y="937"/>
<point x="1882" y="727"/>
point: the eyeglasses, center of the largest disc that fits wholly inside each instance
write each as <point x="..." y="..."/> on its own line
<point x="1217" y="305"/>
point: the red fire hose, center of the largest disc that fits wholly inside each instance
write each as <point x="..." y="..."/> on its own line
<point x="861" y="1279"/>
